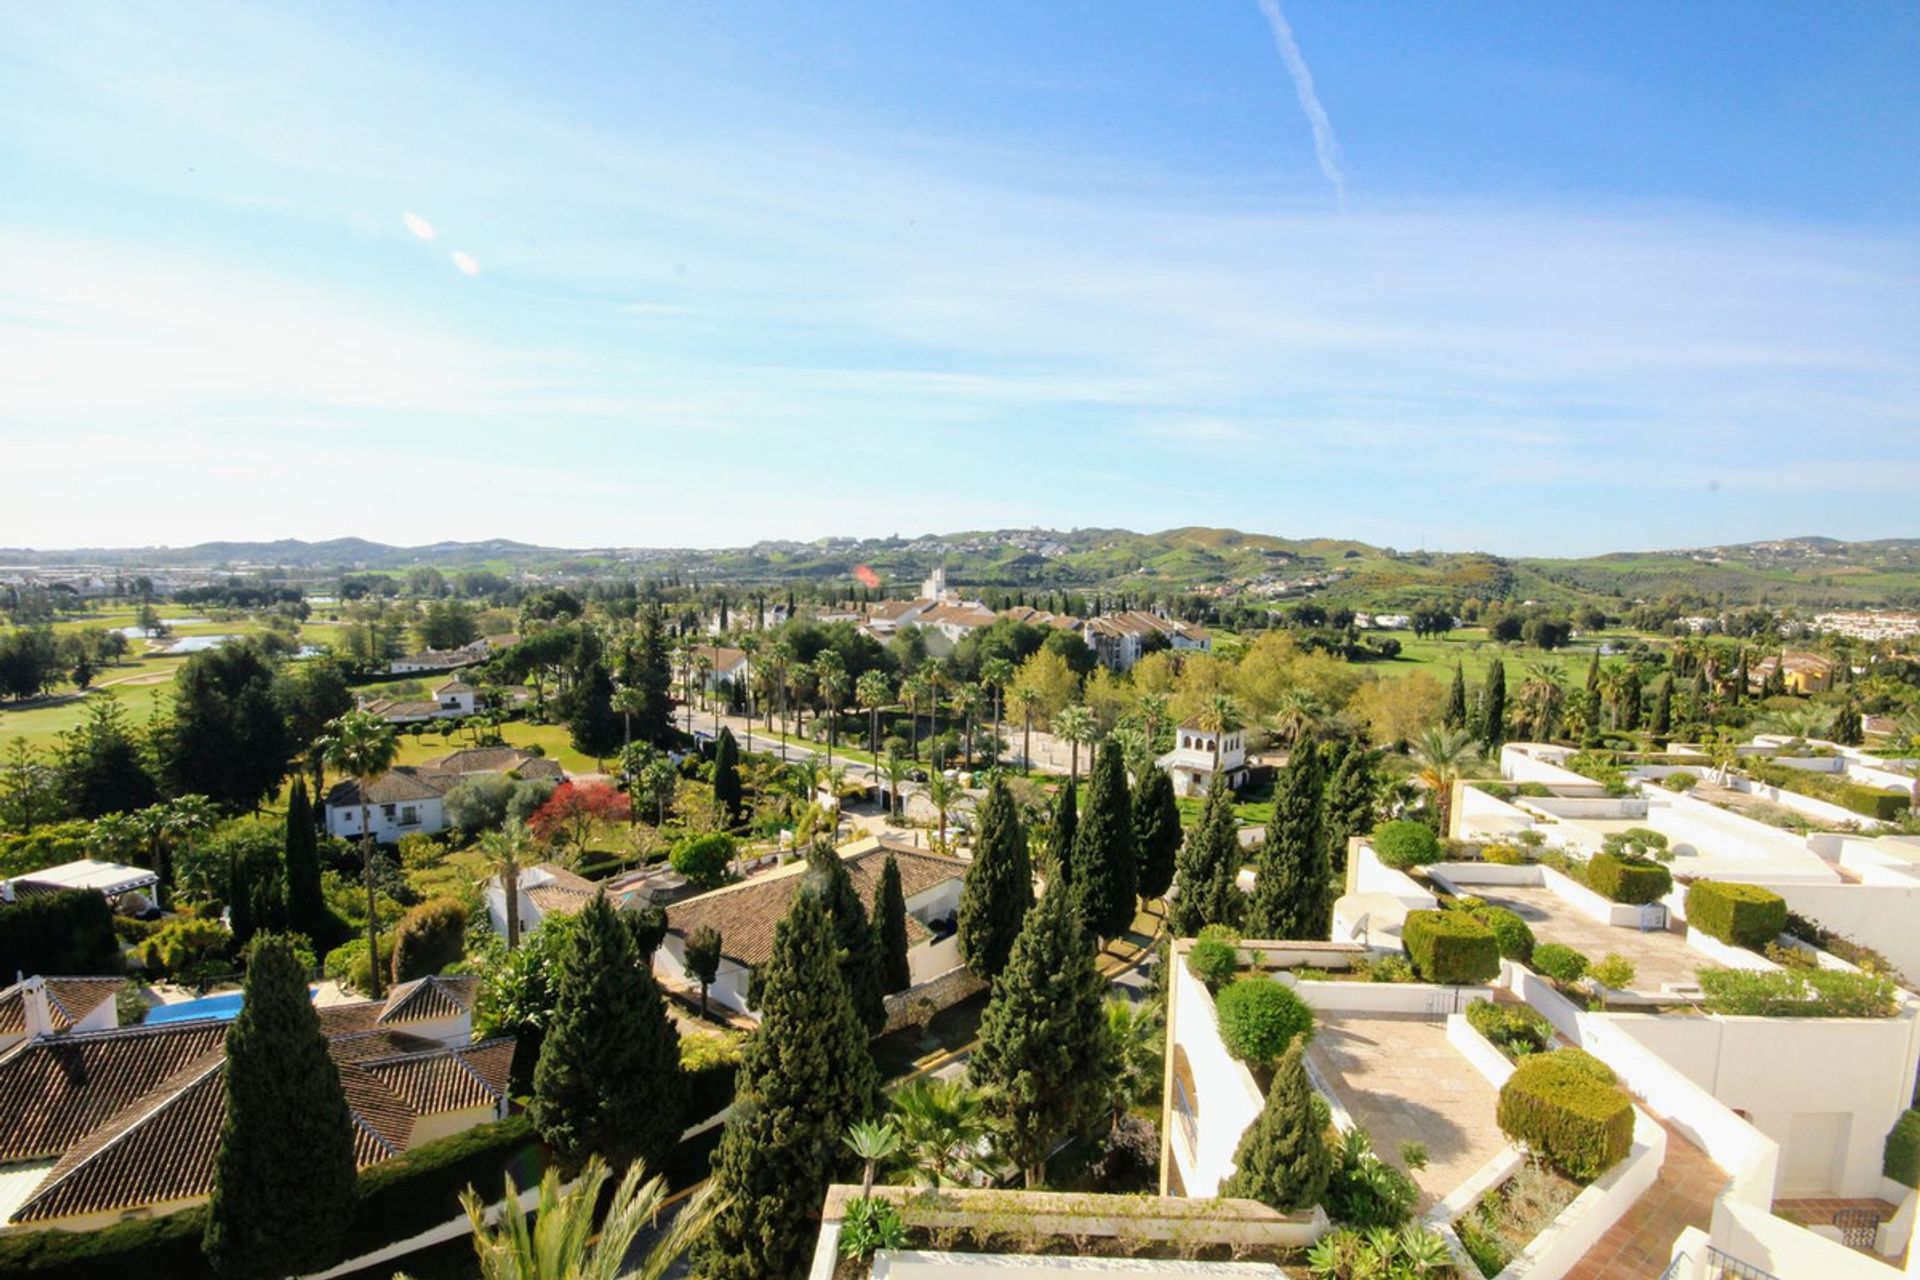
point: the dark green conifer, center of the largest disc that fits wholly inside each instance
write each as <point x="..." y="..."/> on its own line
<point x="283" y="1176"/>
<point x="1066" y="823"/>
<point x="726" y="774"/>
<point x="1284" y="1160"/>
<point x="1209" y="868"/>
<point x="1292" y="889"/>
<point x="1493" y="705"/>
<point x="1156" y="832"/>
<point x="307" y="910"/>
<point x="1105" y="871"/>
<point x="998" y="890"/>
<point x="1456" y="717"/>
<point x="859" y="953"/>
<point x="890" y="929"/>
<point x="1352" y="805"/>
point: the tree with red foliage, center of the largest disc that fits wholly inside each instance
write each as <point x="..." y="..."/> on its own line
<point x="569" y="814"/>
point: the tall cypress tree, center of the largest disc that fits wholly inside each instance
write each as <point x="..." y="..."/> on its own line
<point x="307" y="910"/>
<point x="650" y="670"/>
<point x="890" y="929"/>
<point x="1156" y="832"/>
<point x="283" y="1178"/>
<point x="1283" y="1160"/>
<point x="1043" y="1030"/>
<point x="608" y="1081"/>
<point x="1493" y="705"/>
<point x="1630" y="700"/>
<point x="1105" y="871"/>
<point x="1352" y="805"/>
<point x="998" y="890"/>
<point x="1292" y="891"/>
<point x="1209" y="870"/>
<point x="592" y="725"/>
<point x="859" y="953"/>
<point x="1593" y="693"/>
<point x="1456" y="717"/>
<point x="1066" y="823"/>
<point x="805" y="1077"/>
<point x="1663" y="708"/>
<point x="726" y="774"/>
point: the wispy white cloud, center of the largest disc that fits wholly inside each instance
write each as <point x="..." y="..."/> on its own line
<point x="418" y="225"/>
<point x="1326" y="148"/>
<point x="464" y="261"/>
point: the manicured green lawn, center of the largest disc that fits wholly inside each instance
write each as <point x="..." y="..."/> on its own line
<point x="1474" y="652"/>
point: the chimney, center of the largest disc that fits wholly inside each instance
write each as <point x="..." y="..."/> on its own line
<point x="39" y="1015"/>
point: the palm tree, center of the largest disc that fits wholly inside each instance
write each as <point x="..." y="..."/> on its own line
<point x="872" y="692"/>
<point x="561" y="1244"/>
<point x="506" y="851"/>
<point x="779" y="670"/>
<point x="943" y="1125"/>
<point x="181" y="821"/>
<point x="1218" y="716"/>
<point x="895" y="767"/>
<point x="942" y="791"/>
<point x="1024" y="700"/>
<point x="1076" y="724"/>
<point x="913" y="689"/>
<point x="873" y="1141"/>
<point x="360" y="744"/>
<point x="1543" y="698"/>
<point x="1133" y="1054"/>
<point x="1297" y="716"/>
<point x="997" y="674"/>
<point x="1442" y="754"/>
<point x="966" y="700"/>
<point x="935" y="679"/>
<point x="830" y="676"/>
<point x="629" y="702"/>
<point x="1153" y="717"/>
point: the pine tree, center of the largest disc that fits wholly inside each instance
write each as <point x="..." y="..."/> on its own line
<point x="1105" y="870"/>
<point x="1456" y="717"/>
<point x="307" y="910"/>
<point x="1493" y="705"/>
<point x="726" y="774"/>
<point x="890" y="929"/>
<point x="1209" y="870"/>
<point x="1284" y="1160"/>
<point x="806" y="1077"/>
<point x="608" y="1080"/>
<point x="1066" y="821"/>
<point x="1292" y="889"/>
<point x="256" y="891"/>
<point x="650" y="670"/>
<point x="998" y="890"/>
<point x="859" y="953"/>
<point x="592" y="724"/>
<point x="283" y="1177"/>
<point x="1156" y="832"/>
<point x="1663" y="708"/>
<point x="1042" y="1035"/>
<point x="1352" y="805"/>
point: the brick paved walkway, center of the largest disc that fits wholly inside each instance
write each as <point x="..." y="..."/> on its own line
<point x="1640" y="1244"/>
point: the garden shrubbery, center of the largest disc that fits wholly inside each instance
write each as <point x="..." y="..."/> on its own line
<point x="1451" y="947"/>
<point x="1509" y="930"/>
<point x="1799" y="993"/>
<point x="1901" y="1161"/>
<point x="1567" y="1107"/>
<point x="1404" y="844"/>
<point x="67" y="933"/>
<point x="1259" y="1018"/>
<point x="1627" y="879"/>
<point x="1515" y="1029"/>
<point x="1744" y="915"/>
<point x="1559" y="962"/>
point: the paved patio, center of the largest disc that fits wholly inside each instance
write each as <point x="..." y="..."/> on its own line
<point x="1658" y="958"/>
<point x="1640" y="1244"/>
<point x="1402" y="1081"/>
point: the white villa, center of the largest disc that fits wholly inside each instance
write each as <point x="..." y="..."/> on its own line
<point x="454" y="699"/>
<point x="411" y="799"/>
<point x="1120" y="639"/>
<point x="1191" y="760"/>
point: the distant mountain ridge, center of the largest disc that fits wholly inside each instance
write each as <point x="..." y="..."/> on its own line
<point x="1804" y="570"/>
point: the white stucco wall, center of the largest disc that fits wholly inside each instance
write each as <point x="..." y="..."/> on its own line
<point x="1227" y="1100"/>
<point x="344" y="821"/>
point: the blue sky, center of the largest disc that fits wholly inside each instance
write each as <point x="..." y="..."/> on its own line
<point x="1531" y="279"/>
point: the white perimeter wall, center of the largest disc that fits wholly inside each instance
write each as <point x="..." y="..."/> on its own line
<point x="1226" y="1099"/>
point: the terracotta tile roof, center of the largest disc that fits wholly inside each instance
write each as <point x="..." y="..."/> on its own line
<point x="894" y="610"/>
<point x="429" y="999"/>
<point x="455" y="685"/>
<point x="745" y="914"/>
<point x="55" y="1092"/>
<point x="68" y="1001"/>
<point x="957" y="615"/>
<point x="397" y="786"/>
<point x="724" y="659"/>
<point x="380" y="1115"/>
<point x="483" y="760"/>
<point x="432" y="1083"/>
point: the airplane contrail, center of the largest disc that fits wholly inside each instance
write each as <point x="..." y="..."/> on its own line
<point x="1325" y="146"/>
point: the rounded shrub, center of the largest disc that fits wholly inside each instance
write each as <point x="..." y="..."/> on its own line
<point x="705" y="860"/>
<point x="1509" y="930"/>
<point x="1628" y="879"/>
<point x="1744" y="915"/>
<point x="1567" y="1108"/>
<point x="1213" y="960"/>
<point x="1403" y="844"/>
<point x="1451" y="947"/>
<point x="1901" y="1160"/>
<point x="1559" y="962"/>
<point x="1259" y="1018"/>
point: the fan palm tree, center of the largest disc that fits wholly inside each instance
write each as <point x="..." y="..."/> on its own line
<point x="1133" y="1055"/>
<point x="561" y="1244"/>
<point x="966" y="700"/>
<point x="1153" y="717"/>
<point x="1218" y="716"/>
<point x="895" y="767"/>
<point x="1542" y="697"/>
<point x="361" y="745"/>
<point x="943" y="1126"/>
<point x="1076" y="724"/>
<point x="914" y="688"/>
<point x="1023" y="701"/>
<point x="996" y="674"/>
<point x="943" y="792"/>
<point x="935" y="679"/>
<point x="830" y="676"/>
<point x="779" y="673"/>
<point x="185" y="819"/>
<point x="1297" y="716"/>
<point x="872" y="692"/>
<point x="1442" y="754"/>
<point x="507" y="851"/>
<point x="873" y="1141"/>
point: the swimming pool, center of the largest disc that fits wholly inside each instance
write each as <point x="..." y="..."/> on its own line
<point x="225" y="1008"/>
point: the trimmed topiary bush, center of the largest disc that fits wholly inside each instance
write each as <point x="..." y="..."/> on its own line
<point x="1744" y="915"/>
<point x="1567" y="1107"/>
<point x="1512" y="933"/>
<point x="1902" y="1159"/>
<point x="1213" y="961"/>
<point x="1875" y="802"/>
<point x="1259" y="1018"/>
<point x="1403" y="844"/>
<point x="1629" y="880"/>
<point x="1559" y="962"/>
<point x="1450" y="947"/>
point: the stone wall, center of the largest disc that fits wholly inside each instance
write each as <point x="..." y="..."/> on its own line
<point x="950" y="988"/>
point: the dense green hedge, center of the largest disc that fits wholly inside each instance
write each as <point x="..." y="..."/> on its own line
<point x="1451" y="947"/>
<point x="421" y="1188"/>
<point x="1509" y="930"/>
<point x="1902" y="1159"/>
<point x="1629" y="880"/>
<point x="1404" y="844"/>
<point x="1259" y="1018"/>
<point x="66" y="933"/>
<point x="1567" y="1107"/>
<point x="1835" y="788"/>
<point x="1875" y="802"/>
<point x="47" y="845"/>
<point x="1744" y="915"/>
<point x="152" y="1249"/>
<point x="1798" y="993"/>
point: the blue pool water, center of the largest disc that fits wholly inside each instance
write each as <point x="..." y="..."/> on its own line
<point x="224" y="1007"/>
